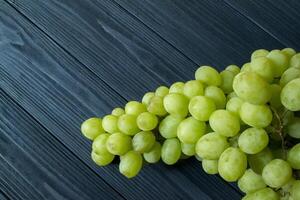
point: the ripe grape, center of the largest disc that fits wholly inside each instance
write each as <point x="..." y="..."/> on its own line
<point x="294" y="156"/>
<point x="262" y="194"/>
<point x="143" y="141"/>
<point x="188" y="149"/>
<point x="130" y="164"/>
<point x="251" y="182"/>
<point x="295" y="193"/>
<point x="289" y="75"/>
<point x="201" y="107"/>
<point x="190" y="130"/>
<point x="168" y="126"/>
<point x="110" y="123"/>
<point x="259" y="53"/>
<point x="147" y="98"/>
<point x="289" y="52"/>
<point x="231" y="95"/>
<point x="234" y="69"/>
<point x="295" y="61"/>
<point x="263" y="67"/>
<point x="210" y="166"/>
<point x="92" y="127"/>
<point x="258" y="161"/>
<point x="118" y="112"/>
<point x="193" y="88"/>
<point x="99" y="144"/>
<point x="290" y="95"/>
<point x="246" y="67"/>
<point x="234" y="104"/>
<point x="253" y="140"/>
<point x="227" y="80"/>
<point x="118" y="143"/>
<point x="156" y="106"/>
<point x="127" y="124"/>
<point x="153" y="155"/>
<point x="217" y="95"/>
<point x="147" y="121"/>
<point x="103" y="158"/>
<point x="162" y="91"/>
<point x="171" y="151"/>
<point x="176" y="104"/>
<point x="176" y="88"/>
<point x="134" y="108"/>
<point x="280" y="62"/>
<point x="293" y="127"/>
<point x="208" y="75"/>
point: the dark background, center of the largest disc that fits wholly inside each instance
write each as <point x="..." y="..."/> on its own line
<point x="63" y="61"/>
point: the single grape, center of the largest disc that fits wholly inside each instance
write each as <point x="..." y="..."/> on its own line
<point x="190" y="130"/>
<point x="118" y="143"/>
<point x="246" y="67"/>
<point x="227" y="80"/>
<point x="253" y="140"/>
<point x="99" y="144"/>
<point x="295" y="193"/>
<point x="247" y="85"/>
<point x="277" y="173"/>
<point x="262" y="194"/>
<point x="251" y="182"/>
<point x="118" y="112"/>
<point x="147" y="121"/>
<point x="290" y="95"/>
<point x="258" y="161"/>
<point x="289" y="52"/>
<point x="170" y="151"/>
<point x="143" y="141"/>
<point x="294" y="156"/>
<point x="258" y="116"/>
<point x="92" y="127"/>
<point x="147" y="98"/>
<point x="188" y="149"/>
<point x="234" y="69"/>
<point x="103" y="158"/>
<point x="201" y="107"/>
<point x="208" y="75"/>
<point x="211" y="146"/>
<point x="176" y="104"/>
<point x="162" y="91"/>
<point x="225" y="123"/>
<point x="280" y="62"/>
<point x="263" y="67"/>
<point x="210" y="166"/>
<point x="168" y="126"/>
<point x="127" y="124"/>
<point x="153" y="155"/>
<point x="232" y="164"/>
<point x="234" y="104"/>
<point x="110" y="123"/>
<point x="259" y="53"/>
<point x="134" y="108"/>
<point x="295" y="61"/>
<point x="130" y="164"/>
<point x="156" y="106"/>
<point x="193" y="88"/>
<point x="176" y="88"/>
<point x="217" y="95"/>
<point x="294" y="127"/>
<point x="275" y="99"/>
<point x="289" y="75"/>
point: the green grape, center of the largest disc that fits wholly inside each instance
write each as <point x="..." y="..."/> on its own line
<point x="234" y="69"/>
<point x="110" y="123"/>
<point x="102" y="159"/>
<point x="294" y="156"/>
<point x="168" y="126"/>
<point x="188" y="149"/>
<point x="295" y="192"/>
<point x="176" y="88"/>
<point x="286" y="189"/>
<point x="251" y="182"/>
<point x="262" y="194"/>
<point x="258" y="161"/>
<point x="147" y="98"/>
<point x="156" y="106"/>
<point x="286" y="115"/>
<point x="217" y="95"/>
<point x="247" y="85"/>
<point x="99" y="144"/>
<point x="232" y="164"/>
<point x="92" y="127"/>
<point x="290" y="95"/>
<point x="246" y="67"/>
<point x="208" y="75"/>
<point x="295" y="61"/>
<point x="127" y="124"/>
<point x="211" y="146"/>
<point x="289" y="75"/>
<point x="258" y="116"/>
<point x="277" y="173"/>
<point x="130" y="164"/>
<point x="118" y="112"/>
<point x="176" y="104"/>
<point x="280" y="62"/>
<point x="253" y="140"/>
<point x="210" y="166"/>
<point x="294" y="127"/>
<point x="190" y="130"/>
<point x="135" y="108"/>
<point x="234" y="105"/>
<point x="201" y="107"/>
<point x="162" y="91"/>
<point x="259" y="53"/>
<point x="143" y="141"/>
<point x="227" y="80"/>
<point x="147" y="121"/>
<point x="275" y="99"/>
<point x="225" y="123"/>
<point x="193" y="88"/>
<point x="153" y="155"/>
<point x="198" y="158"/>
<point x="279" y="153"/>
<point x="231" y="95"/>
<point x="171" y="151"/>
<point x="118" y="143"/>
<point x="289" y="52"/>
<point x="263" y="67"/>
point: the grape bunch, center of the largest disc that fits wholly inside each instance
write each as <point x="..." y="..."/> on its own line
<point x="242" y="123"/>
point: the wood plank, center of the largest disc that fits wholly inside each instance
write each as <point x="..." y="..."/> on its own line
<point x="39" y="158"/>
<point x="48" y="74"/>
<point x="279" y="18"/>
<point x="3" y="196"/>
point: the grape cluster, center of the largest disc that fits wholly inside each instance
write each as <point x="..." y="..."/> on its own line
<point x="242" y="124"/>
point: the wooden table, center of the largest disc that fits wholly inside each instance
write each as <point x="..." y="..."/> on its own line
<point x="63" y="61"/>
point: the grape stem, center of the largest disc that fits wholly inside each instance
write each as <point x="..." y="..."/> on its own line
<point x="279" y="130"/>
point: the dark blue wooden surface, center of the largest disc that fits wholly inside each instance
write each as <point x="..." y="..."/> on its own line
<point x="62" y="61"/>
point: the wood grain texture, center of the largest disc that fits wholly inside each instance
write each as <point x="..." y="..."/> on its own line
<point x="40" y="159"/>
<point x="33" y="66"/>
<point x="279" y="18"/>
<point x="3" y="196"/>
